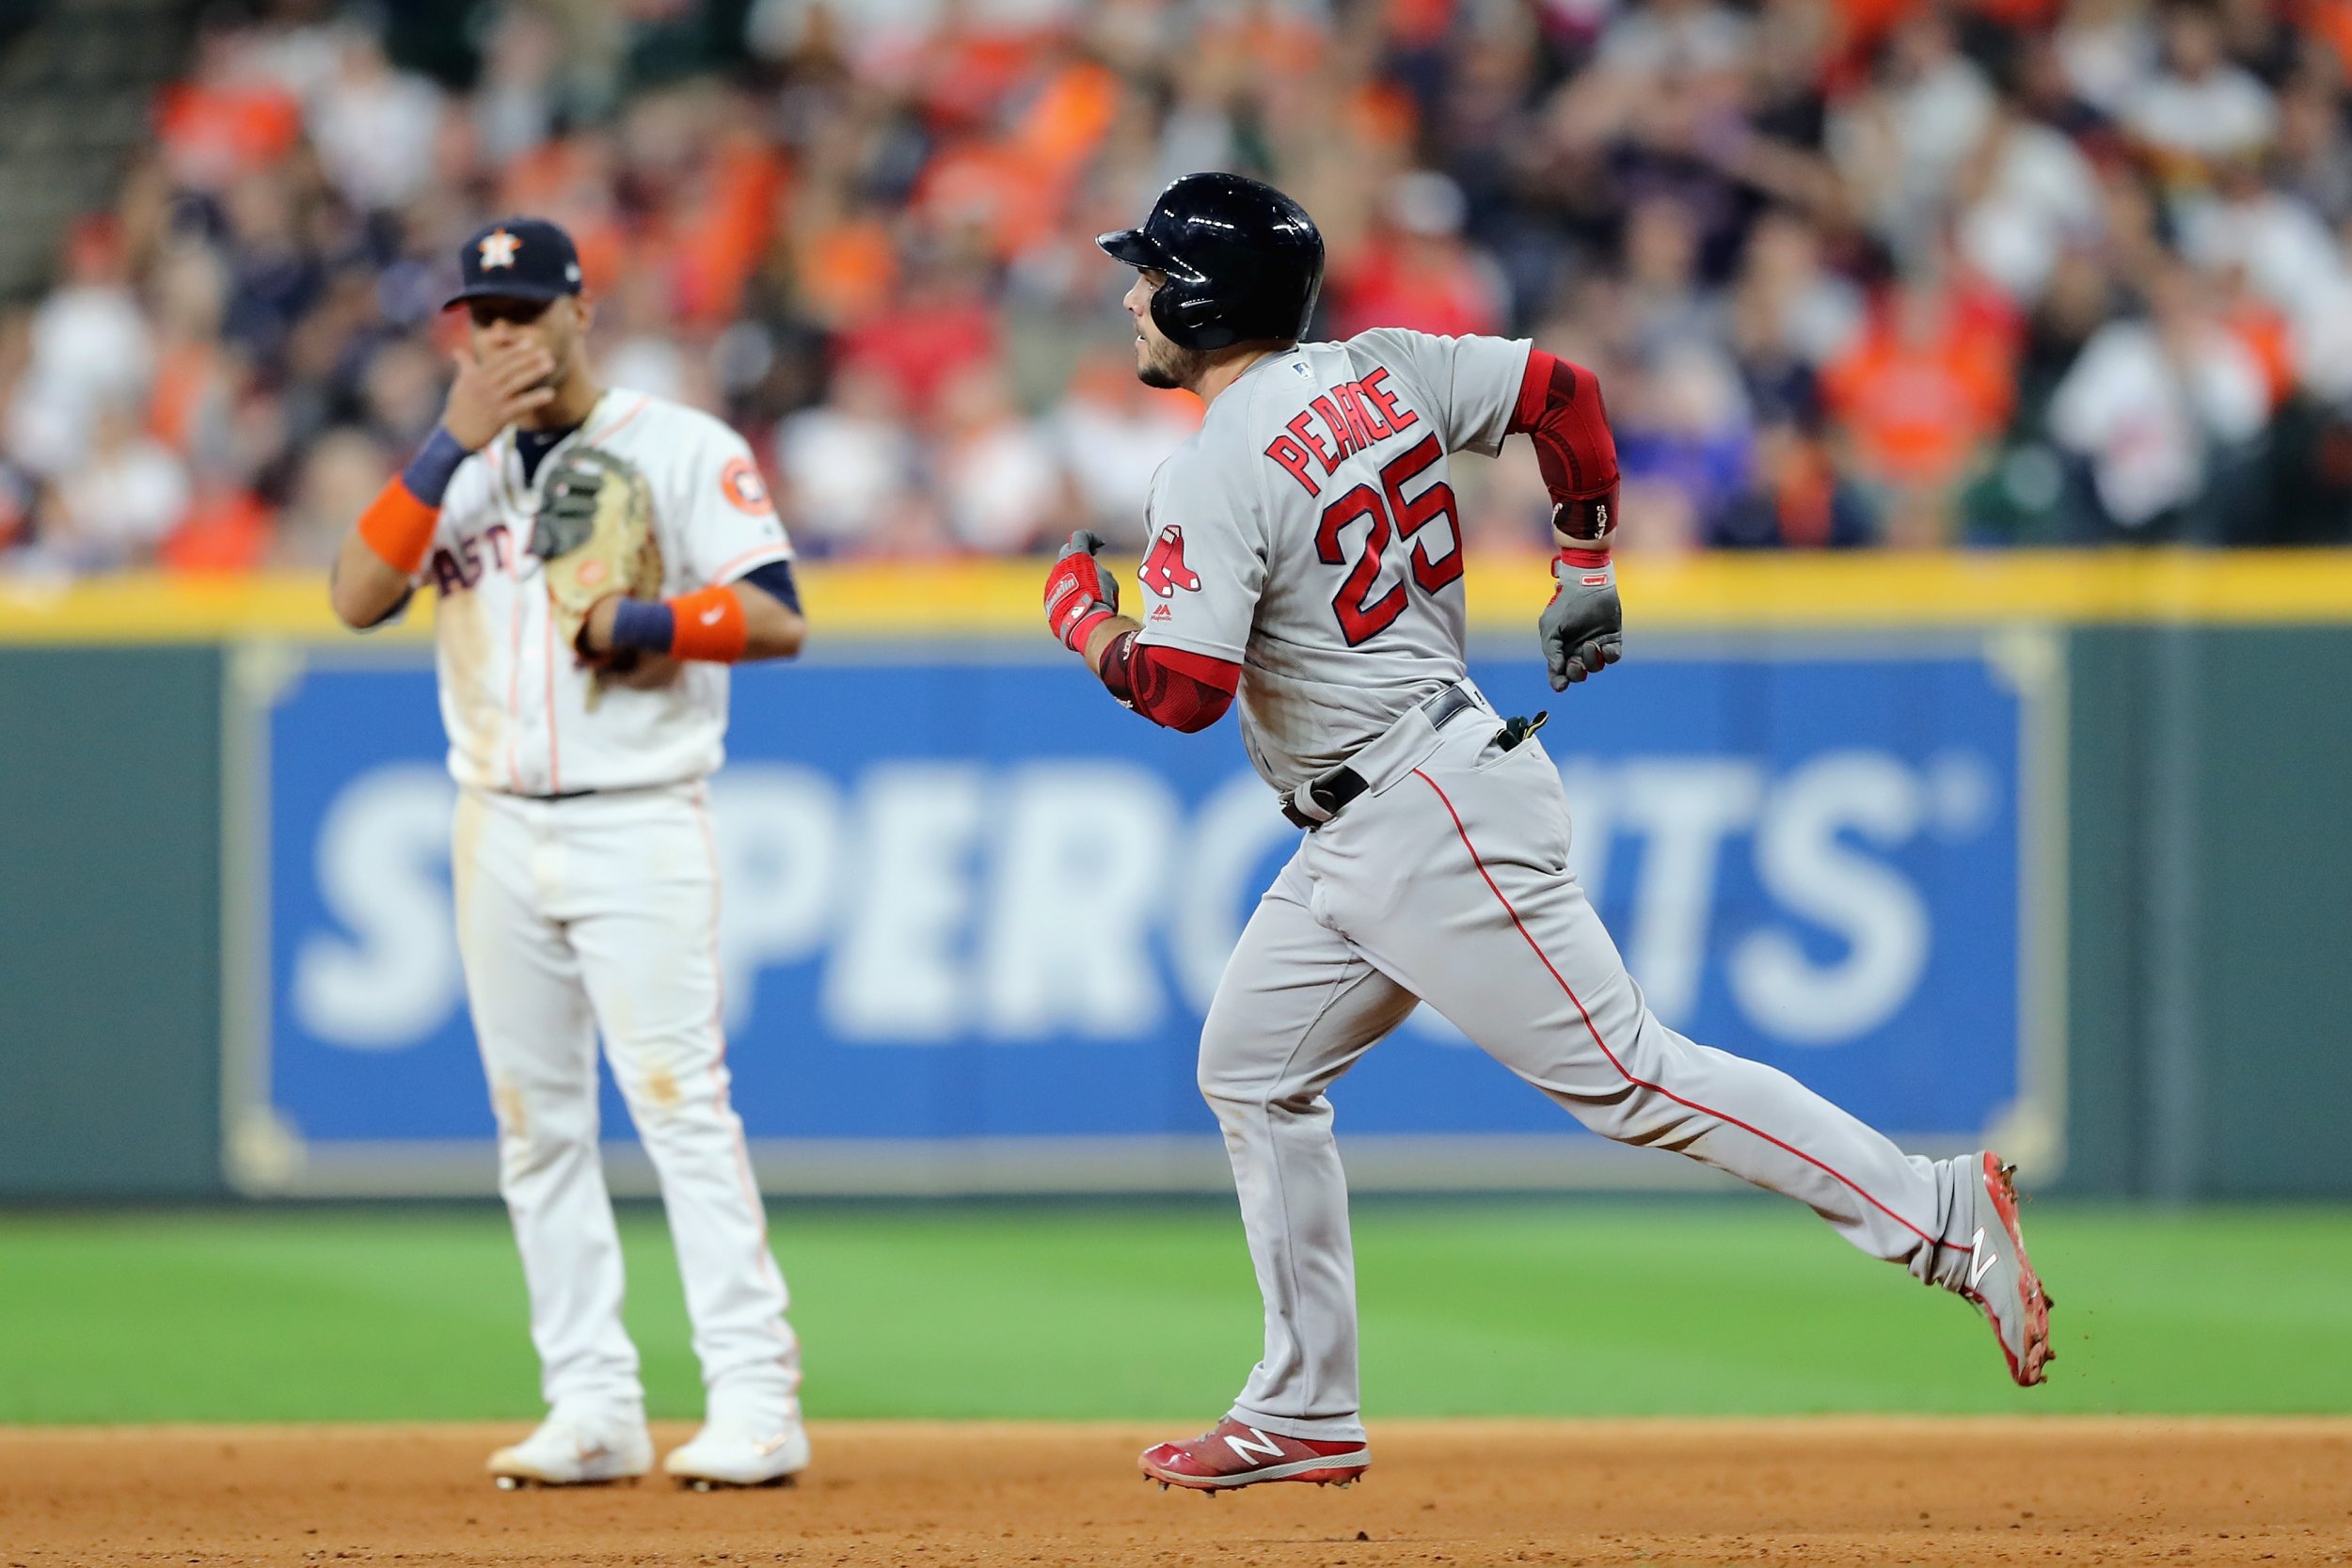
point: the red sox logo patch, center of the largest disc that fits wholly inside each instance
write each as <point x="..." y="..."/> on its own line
<point x="1164" y="570"/>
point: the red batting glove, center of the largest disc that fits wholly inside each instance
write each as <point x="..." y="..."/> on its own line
<point x="1078" y="598"/>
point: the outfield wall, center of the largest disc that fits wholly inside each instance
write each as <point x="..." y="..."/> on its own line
<point x="2038" y="848"/>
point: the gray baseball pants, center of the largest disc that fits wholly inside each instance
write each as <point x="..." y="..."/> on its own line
<point x="1448" y="882"/>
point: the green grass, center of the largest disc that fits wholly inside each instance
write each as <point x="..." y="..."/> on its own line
<point x="1552" y="1307"/>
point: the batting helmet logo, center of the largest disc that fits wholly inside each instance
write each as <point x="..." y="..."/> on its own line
<point x="1164" y="570"/>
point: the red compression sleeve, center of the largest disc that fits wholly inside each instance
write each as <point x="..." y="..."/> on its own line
<point x="1175" y="689"/>
<point x="1559" y="409"/>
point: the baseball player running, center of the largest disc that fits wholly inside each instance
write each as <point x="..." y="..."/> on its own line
<point x="585" y="709"/>
<point x="1306" y="557"/>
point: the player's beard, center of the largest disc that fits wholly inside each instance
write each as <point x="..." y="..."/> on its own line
<point x="1168" y="366"/>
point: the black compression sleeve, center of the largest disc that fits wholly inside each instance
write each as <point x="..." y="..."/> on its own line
<point x="774" y="579"/>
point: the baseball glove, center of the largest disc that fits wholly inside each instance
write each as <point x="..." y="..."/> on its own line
<point x="593" y="537"/>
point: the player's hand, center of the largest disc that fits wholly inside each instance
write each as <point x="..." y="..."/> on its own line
<point x="1078" y="597"/>
<point x="631" y="667"/>
<point x="1583" y="627"/>
<point x="595" y="642"/>
<point x="492" y="392"/>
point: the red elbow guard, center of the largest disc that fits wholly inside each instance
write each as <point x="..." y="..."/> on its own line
<point x="1175" y="689"/>
<point x="1559" y="409"/>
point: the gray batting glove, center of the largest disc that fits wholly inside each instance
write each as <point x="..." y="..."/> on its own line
<point x="1583" y="627"/>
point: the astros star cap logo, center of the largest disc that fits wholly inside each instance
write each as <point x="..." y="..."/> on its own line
<point x="516" y="258"/>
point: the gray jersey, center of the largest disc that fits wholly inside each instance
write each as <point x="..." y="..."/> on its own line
<point x="1308" y="533"/>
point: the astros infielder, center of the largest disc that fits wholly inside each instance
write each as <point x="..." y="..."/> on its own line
<point x="584" y="711"/>
<point x="1306" y="557"/>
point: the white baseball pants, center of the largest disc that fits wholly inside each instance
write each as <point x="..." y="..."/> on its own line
<point x="601" y="914"/>
<point x="1449" y="882"/>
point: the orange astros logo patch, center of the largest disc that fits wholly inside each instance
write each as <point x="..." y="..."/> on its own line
<point x="739" y="481"/>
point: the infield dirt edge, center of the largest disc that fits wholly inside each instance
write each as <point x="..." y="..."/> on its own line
<point x="1826" y="1489"/>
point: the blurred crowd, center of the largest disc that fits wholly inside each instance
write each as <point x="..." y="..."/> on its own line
<point x="1853" y="272"/>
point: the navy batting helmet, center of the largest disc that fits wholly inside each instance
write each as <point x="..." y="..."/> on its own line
<point x="1243" y="262"/>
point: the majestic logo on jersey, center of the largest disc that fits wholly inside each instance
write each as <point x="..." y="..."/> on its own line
<point x="745" y="491"/>
<point x="1164" y="570"/>
<point x="497" y="249"/>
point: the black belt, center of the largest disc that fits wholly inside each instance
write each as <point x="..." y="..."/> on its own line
<point x="1332" y="791"/>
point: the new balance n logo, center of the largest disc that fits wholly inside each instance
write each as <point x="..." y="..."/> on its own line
<point x="1244" y="1451"/>
<point x="1984" y="1258"/>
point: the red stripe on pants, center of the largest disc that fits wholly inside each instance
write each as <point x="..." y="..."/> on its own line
<point x="1569" y="993"/>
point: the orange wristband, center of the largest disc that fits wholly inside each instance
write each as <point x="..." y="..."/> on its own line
<point x="710" y="626"/>
<point x="399" y="528"/>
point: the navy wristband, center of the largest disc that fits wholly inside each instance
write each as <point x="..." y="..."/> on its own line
<point x="644" y="625"/>
<point x="429" y="472"/>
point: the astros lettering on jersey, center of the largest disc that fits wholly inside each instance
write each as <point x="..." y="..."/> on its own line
<point x="513" y="696"/>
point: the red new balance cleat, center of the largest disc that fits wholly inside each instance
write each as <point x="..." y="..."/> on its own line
<point x="1237" y="1455"/>
<point x="2001" y="1280"/>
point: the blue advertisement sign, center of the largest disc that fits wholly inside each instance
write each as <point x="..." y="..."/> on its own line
<point x="976" y="902"/>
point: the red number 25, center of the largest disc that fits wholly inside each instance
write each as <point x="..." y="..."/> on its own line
<point x="1358" y="620"/>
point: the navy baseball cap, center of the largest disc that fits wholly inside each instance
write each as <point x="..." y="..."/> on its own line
<point x="517" y="258"/>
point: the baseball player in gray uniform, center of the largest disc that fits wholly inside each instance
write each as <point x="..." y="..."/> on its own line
<point x="1306" y="557"/>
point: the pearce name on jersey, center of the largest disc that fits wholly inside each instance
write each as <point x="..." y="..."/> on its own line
<point x="1313" y="512"/>
<point x="1356" y="414"/>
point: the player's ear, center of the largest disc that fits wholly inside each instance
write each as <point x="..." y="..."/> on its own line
<point x="465" y="351"/>
<point x="584" y="313"/>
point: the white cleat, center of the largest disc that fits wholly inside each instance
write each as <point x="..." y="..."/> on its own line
<point x="728" y="1454"/>
<point x="567" y="1452"/>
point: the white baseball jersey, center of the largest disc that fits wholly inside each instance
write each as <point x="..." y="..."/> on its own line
<point x="615" y="932"/>
<point x="1308" y="533"/>
<point x="514" y="696"/>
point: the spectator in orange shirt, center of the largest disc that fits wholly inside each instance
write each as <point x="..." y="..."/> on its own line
<point x="228" y="119"/>
<point x="1918" y="396"/>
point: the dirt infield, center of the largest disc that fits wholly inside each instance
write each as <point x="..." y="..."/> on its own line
<point x="1464" y="1493"/>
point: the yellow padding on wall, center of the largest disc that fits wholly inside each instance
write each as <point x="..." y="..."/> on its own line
<point x="999" y="598"/>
